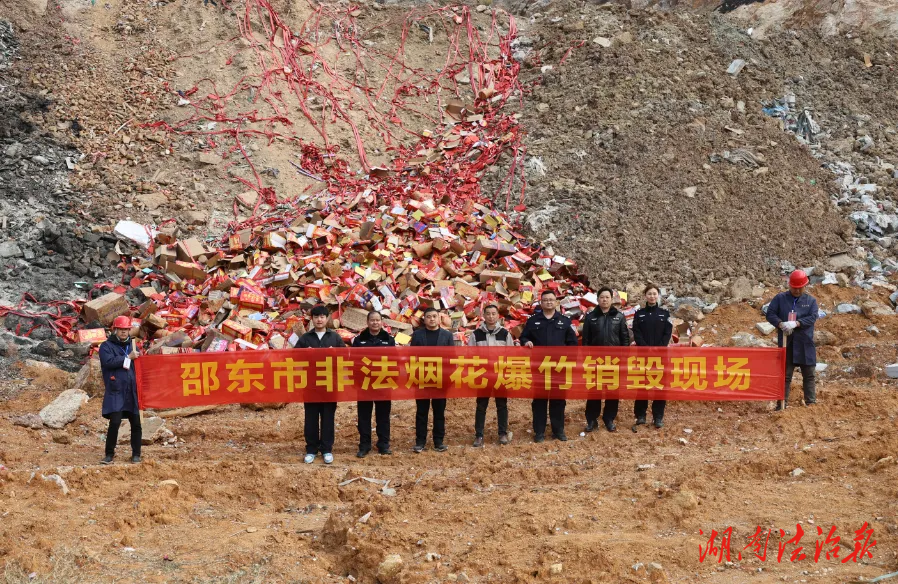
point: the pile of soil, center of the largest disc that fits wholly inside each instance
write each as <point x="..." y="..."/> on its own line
<point x="629" y="136"/>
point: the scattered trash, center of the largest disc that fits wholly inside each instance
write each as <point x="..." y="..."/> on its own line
<point x="735" y="67"/>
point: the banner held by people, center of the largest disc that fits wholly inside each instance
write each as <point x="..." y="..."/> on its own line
<point x="352" y="374"/>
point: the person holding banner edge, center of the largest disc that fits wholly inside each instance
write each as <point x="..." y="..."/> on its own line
<point x="431" y="335"/>
<point x="651" y="328"/>
<point x="319" y="417"/>
<point x="120" y="396"/>
<point x="374" y="336"/>
<point x="548" y="328"/>
<point x="794" y="313"/>
<point x="491" y="334"/>
<point x="605" y="326"/>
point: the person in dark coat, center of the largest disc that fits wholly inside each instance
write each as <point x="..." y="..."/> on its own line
<point x="651" y="328"/>
<point x="605" y="326"/>
<point x="120" y="397"/>
<point x="374" y="336"/>
<point x="431" y="335"/>
<point x="319" y="418"/>
<point x="548" y="328"/>
<point x="794" y="313"/>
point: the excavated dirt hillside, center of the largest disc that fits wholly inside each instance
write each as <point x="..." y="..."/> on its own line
<point x="629" y="140"/>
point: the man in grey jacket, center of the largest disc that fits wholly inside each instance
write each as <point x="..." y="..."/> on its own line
<point x="491" y="334"/>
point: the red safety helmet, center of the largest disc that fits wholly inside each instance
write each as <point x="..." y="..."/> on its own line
<point x="798" y="279"/>
<point x="121" y="322"/>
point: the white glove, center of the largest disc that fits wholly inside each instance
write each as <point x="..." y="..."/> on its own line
<point x="788" y="326"/>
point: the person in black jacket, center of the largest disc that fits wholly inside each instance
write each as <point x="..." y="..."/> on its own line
<point x="548" y="328"/>
<point x="651" y="328"/>
<point x="431" y="335"/>
<point x="605" y="326"/>
<point x="319" y="422"/>
<point x="374" y="336"/>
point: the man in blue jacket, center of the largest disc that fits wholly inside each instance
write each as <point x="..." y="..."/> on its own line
<point x="431" y="335"/>
<point x="548" y="328"/>
<point x="794" y="314"/>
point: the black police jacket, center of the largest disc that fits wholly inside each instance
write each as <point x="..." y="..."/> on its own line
<point x="549" y="332"/>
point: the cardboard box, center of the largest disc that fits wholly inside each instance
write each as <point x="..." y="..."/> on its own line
<point x="236" y="330"/>
<point x="105" y="308"/>
<point x="494" y="249"/>
<point x="92" y="336"/>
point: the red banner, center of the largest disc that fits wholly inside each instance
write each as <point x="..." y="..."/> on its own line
<point x="327" y="375"/>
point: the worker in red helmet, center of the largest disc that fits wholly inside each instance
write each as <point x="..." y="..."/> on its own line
<point x="794" y="313"/>
<point x="117" y="357"/>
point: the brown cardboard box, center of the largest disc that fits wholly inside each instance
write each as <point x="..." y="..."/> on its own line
<point x="493" y="248"/>
<point x="105" y="308"/>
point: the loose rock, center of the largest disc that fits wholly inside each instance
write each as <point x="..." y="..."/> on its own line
<point x="64" y="409"/>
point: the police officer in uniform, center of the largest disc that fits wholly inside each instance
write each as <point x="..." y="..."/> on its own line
<point x="374" y="336"/>
<point x="548" y="328"/>
<point x="651" y="328"/>
<point x="431" y="335"/>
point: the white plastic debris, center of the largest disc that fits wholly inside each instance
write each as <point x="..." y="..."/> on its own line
<point x="142" y="235"/>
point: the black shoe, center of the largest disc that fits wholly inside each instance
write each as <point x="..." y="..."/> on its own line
<point x="610" y="426"/>
<point x="590" y="425"/>
<point x="640" y="421"/>
<point x="780" y="406"/>
<point x="478" y="441"/>
<point x="107" y="460"/>
<point x="440" y="447"/>
<point x="810" y="403"/>
<point x="659" y="423"/>
<point x="385" y="450"/>
<point x="561" y="437"/>
<point x="418" y="448"/>
<point x="539" y="438"/>
<point x="135" y="460"/>
<point x="362" y="453"/>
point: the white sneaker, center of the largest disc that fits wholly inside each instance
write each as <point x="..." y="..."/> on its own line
<point x="328" y="458"/>
<point x="310" y="458"/>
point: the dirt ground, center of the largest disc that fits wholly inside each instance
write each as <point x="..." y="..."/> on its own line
<point x="246" y="509"/>
<point x="621" y="132"/>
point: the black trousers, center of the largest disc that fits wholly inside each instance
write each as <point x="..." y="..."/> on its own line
<point x="115" y="421"/>
<point x="556" y="415"/>
<point x="808" y="378"/>
<point x="594" y="410"/>
<point x="439" y="420"/>
<point x="642" y="405"/>
<point x="501" y="413"/>
<point x="319" y="427"/>
<point x="382" y="415"/>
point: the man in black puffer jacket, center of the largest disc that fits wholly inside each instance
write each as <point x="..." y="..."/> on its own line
<point x="374" y="336"/>
<point x="605" y="326"/>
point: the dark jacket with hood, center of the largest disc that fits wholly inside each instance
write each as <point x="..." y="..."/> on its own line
<point x="120" y="383"/>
